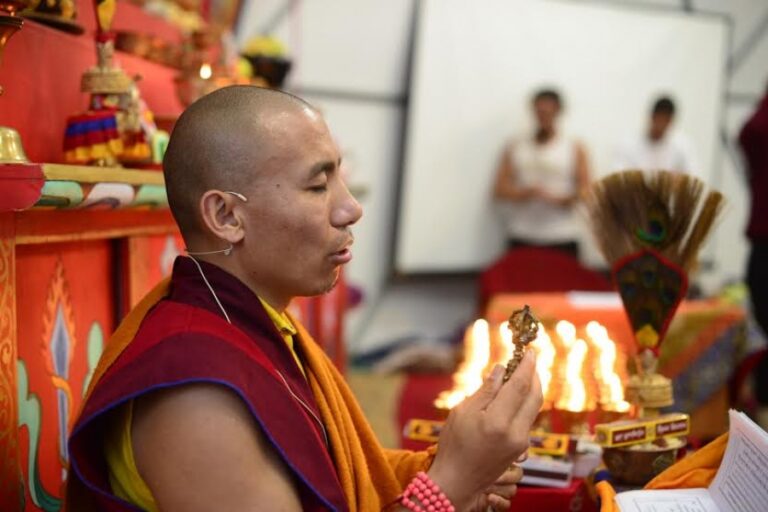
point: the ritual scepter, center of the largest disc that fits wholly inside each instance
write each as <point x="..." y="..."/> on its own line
<point x="524" y="327"/>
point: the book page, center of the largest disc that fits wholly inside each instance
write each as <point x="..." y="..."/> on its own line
<point x="741" y="481"/>
<point x="674" y="500"/>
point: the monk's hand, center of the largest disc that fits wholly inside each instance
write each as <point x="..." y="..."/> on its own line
<point x="485" y="434"/>
<point x="498" y="497"/>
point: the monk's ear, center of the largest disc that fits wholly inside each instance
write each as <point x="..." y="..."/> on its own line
<point x="220" y="215"/>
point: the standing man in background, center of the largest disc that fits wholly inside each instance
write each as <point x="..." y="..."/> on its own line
<point x="539" y="179"/>
<point x="754" y="142"/>
<point x="658" y="148"/>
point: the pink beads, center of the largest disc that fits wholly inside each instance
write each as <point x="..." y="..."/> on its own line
<point x="429" y="496"/>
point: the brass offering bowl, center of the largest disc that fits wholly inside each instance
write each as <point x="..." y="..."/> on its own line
<point x="637" y="465"/>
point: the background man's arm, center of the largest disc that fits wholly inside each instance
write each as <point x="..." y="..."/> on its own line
<point x="198" y="449"/>
<point x="580" y="179"/>
<point x="582" y="170"/>
<point x="506" y="186"/>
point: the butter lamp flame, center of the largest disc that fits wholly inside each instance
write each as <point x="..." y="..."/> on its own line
<point x="206" y="72"/>
<point x="469" y="376"/>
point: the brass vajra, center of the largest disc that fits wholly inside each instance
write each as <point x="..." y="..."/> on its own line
<point x="524" y="326"/>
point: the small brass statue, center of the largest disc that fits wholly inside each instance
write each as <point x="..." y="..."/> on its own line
<point x="524" y="327"/>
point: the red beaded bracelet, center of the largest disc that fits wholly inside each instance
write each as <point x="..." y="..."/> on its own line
<point x="429" y="495"/>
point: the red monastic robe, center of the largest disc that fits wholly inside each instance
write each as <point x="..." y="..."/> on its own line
<point x="182" y="338"/>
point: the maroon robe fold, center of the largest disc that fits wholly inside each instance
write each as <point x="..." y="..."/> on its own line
<point x="185" y="339"/>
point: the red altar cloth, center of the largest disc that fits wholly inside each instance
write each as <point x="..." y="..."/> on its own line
<point x="570" y="499"/>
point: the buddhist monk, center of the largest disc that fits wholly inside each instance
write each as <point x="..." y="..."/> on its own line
<point x="210" y="397"/>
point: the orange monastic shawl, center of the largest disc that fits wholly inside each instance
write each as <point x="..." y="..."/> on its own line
<point x="372" y="477"/>
<point x="698" y="470"/>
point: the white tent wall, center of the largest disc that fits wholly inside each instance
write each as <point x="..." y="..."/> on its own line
<point x="474" y="73"/>
<point x="352" y="56"/>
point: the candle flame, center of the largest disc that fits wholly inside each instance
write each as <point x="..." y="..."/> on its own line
<point x="545" y="359"/>
<point x="567" y="333"/>
<point x="560" y="366"/>
<point x="574" y="397"/>
<point x="469" y="377"/>
<point x="611" y="387"/>
<point x="206" y="71"/>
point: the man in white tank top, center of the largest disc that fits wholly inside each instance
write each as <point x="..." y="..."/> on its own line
<point x="659" y="148"/>
<point x="539" y="180"/>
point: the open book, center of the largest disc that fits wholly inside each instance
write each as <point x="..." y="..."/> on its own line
<point x="741" y="483"/>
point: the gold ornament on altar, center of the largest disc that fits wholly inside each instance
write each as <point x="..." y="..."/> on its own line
<point x="649" y="389"/>
<point x="208" y="63"/>
<point x="267" y="60"/>
<point x="60" y="14"/>
<point x="117" y="127"/>
<point x="10" y="23"/>
<point x="105" y="77"/>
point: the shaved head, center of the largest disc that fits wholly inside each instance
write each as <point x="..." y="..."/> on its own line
<point x="289" y="234"/>
<point x="220" y="142"/>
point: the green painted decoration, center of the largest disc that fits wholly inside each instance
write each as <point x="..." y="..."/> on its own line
<point x="30" y="416"/>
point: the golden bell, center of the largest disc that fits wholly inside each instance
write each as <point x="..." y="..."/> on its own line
<point x="11" y="150"/>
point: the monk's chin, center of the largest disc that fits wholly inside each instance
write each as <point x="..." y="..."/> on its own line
<point x="323" y="288"/>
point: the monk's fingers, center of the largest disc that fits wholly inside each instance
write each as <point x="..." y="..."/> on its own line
<point x="498" y="503"/>
<point x="529" y="409"/>
<point x="515" y="391"/>
<point x="511" y="476"/>
<point x="506" y="491"/>
<point x="487" y="393"/>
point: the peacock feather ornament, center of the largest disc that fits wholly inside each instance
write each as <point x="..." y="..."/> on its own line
<point x="650" y="227"/>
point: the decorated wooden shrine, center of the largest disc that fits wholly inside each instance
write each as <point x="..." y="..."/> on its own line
<point x="78" y="247"/>
<point x="81" y="244"/>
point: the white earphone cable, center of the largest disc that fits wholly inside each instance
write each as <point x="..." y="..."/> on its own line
<point x="285" y="382"/>
<point x="215" y="297"/>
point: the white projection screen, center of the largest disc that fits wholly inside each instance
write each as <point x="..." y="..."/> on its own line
<point x="475" y="66"/>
